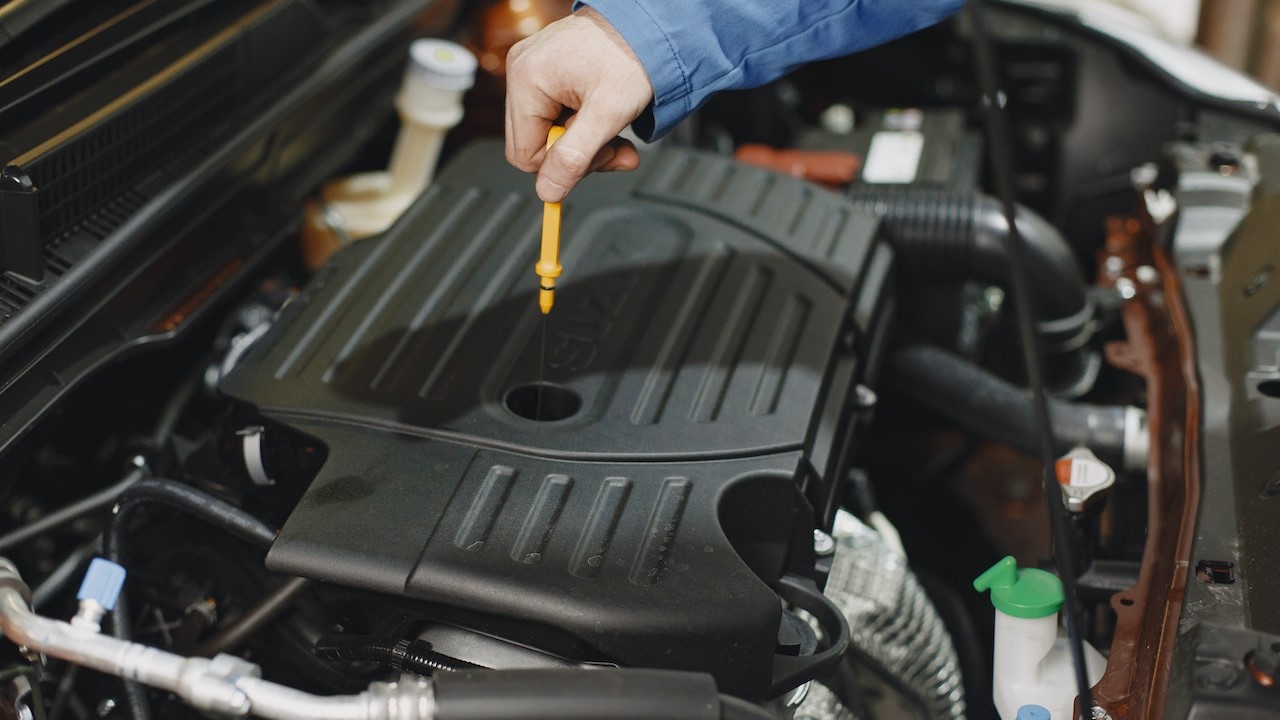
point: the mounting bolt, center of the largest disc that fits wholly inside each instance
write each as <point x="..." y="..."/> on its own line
<point x="1144" y="176"/>
<point x="864" y="397"/>
<point x="993" y="298"/>
<point x="823" y="544"/>
<point x="1147" y="275"/>
<point x="1258" y="281"/>
<point x="838" y="119"/>
<point x="1126" y="288"/>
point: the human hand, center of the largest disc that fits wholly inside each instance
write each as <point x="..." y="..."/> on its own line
<point x="579" y="62"/>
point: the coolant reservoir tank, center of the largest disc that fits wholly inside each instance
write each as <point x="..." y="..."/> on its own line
<point x="429" y="103"/>
<point x="1032" y="663"/>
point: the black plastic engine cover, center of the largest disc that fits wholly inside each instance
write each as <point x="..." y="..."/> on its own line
<point x="706" y="334"/>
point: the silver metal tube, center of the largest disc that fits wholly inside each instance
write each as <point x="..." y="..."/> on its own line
<point x="51" y="637"/>
<point x="289" y="704"/>
<point x="407" y="700"/>
<point x="223" y="685"/>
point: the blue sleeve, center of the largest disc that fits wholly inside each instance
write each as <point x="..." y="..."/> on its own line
<point x="692" y="49"/>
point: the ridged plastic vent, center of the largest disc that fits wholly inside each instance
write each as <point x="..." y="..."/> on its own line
<point x="13" y="297"/>
<point x="80" y="177"/>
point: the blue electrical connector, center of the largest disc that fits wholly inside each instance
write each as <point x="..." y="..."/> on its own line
<point x="1033" y="712"/>
<point x="102" y="583"/>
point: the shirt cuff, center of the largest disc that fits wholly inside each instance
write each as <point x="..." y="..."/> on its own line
<point x="667" y="74"/>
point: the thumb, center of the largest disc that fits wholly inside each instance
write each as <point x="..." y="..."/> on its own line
<point x="570" y="159"/>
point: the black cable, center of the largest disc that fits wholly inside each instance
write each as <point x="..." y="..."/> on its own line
<point x="171" y="413"/>
<point x="63" y="692"/>
<point x="97" y="501"/>
<point x="70" y="568"/>
<point x="136" y="702"/>
<point x="999" y="140"/>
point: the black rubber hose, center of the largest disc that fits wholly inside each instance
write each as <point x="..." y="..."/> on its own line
<point x="70" y="568"/>
<point x="192" y="501"/>
<point x="171" y="413"/>
<point x="945" y="235"/>
<point x="415" y="656"/>
<point x="999" y="410"/>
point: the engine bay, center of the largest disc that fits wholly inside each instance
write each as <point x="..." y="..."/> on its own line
<point x="758" y="462"/>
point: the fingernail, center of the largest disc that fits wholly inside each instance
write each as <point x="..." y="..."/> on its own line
<point x="549" y="190"/>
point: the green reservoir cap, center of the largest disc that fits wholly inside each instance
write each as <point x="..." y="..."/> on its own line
<point x="1028" y="593"/>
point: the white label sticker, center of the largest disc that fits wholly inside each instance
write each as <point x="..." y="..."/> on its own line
<point x="894" y="157"/>
<point x="1089" y="474"/>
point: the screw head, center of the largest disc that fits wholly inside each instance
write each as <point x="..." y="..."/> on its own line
<point x="864" y="397"/>
<point x="823" y="544"/>
<point x="993" y="298"/>
<point x="838" y="119"/>
<point x="1258" y="281"/>
<point x="1144" y="176"/>
<point x="1126" y="288"/>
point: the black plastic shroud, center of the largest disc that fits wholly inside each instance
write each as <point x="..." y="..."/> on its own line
<point x="709" y="326"/>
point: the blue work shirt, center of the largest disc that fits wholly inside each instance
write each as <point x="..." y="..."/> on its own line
<point x="692" y="49"/>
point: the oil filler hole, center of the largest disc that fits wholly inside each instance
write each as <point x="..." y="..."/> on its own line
<point x="556" y="402"/>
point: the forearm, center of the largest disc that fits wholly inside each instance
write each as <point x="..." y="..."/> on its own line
<point x="692" y="49"/>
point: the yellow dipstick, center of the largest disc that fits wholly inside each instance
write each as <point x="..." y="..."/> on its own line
<point x="548" y="267"/>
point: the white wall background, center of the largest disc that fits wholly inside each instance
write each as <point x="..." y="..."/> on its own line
<point x="1177" y="19"/>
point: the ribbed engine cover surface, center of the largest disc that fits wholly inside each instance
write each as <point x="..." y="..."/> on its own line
<point x="705" y="326"/>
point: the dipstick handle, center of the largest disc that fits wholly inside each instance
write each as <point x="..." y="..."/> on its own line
<point x="548" y="267"/>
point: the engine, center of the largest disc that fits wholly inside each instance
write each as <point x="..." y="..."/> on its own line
<point x="694" y="411"/>
<point x="811" y="433"/>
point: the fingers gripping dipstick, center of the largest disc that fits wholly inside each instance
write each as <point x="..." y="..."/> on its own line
<point x="548" y="267"/>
